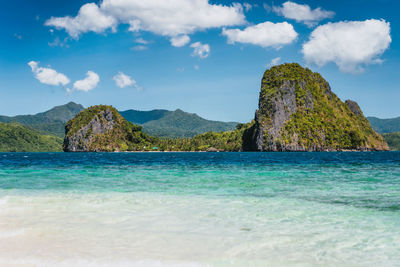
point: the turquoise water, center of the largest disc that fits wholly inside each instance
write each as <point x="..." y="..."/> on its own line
<point x="200" y="209"/>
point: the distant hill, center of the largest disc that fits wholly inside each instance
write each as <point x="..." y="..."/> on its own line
<point x="164" y="123"/>
<point x="49" y="122"/>
<point x="385" y="125"/>
<point x="141" y="117"/>
<point x="158" y="122"/>
<point x="393" y="140"/>
<point x="15" y="137"/>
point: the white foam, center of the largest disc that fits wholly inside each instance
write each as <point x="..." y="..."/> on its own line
<point x="4" y="200"/>
<point x="12" y="233"/>
<point x="96" y="263"/>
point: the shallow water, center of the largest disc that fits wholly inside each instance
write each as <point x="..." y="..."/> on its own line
<point x="200" y="209"/>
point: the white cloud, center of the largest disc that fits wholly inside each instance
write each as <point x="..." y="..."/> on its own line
<point x="141" y="41"/>
<point x="267" y="7"/>
<point x="274" y="61"/>
<point x="89" y="83"/>
<point x="47" y="75"/>
<point x="200" y="50"/>
<point x="89" y="18"/>
<point x="58" y="42"/>
<point x="168" y="18"/>
<point x="264" y="34"/>
<point x="247" y="6"/>
<point x="122" y="80"/>
<point x="179" y="41"/>
<point x="139" y="48"/>
<point x="303" y="13"/>
<point x="349" y="44"/>
<point x="196" y="67"/>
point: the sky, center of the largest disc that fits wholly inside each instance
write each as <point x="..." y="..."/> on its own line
<point x="204" y="57"/>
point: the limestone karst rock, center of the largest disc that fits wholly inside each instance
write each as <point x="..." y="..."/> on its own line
<point x="298" y="112"/>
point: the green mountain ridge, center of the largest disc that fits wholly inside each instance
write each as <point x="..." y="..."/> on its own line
<point x="51" y="122"/>
<point x="141" y="117"/>
<point x="157" y="122"/>
<point x="175" y="124"/>
<point x="385" y="125"/>
<point x="393" y="140"/>
<point x="15" y="137"/>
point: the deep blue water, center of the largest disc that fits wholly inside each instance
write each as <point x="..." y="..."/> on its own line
<point x="189" y="158"/>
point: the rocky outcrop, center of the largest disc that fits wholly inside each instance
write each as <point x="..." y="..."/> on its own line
<point x="354" y="107"/>
<point x="299" y="112"/>
<point x="81" y="140"/>
<point x="102" y="128"/>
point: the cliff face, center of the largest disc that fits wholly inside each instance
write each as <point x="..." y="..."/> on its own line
<point x="299" y="112"/>
<point x="102" y="128"/>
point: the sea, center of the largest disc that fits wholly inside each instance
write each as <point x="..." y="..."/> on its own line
<point x="200" y="209"/>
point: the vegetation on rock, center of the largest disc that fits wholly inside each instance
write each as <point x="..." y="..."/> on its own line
<point x="102" y="128"/>
<point x="15" y="137"/>
<point x="299" y="112"/>
<point x="209" y="141"/>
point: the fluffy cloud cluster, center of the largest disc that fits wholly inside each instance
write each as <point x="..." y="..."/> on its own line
<point x="47" y="75"/>
<point x="87" y="84"/>
<point x="265" y="34"/>
<point x="349" y="44"/>
<point x="89" y="18"/>
<point x="168" y="18"/>
<point x="92" y="79"/>
<point x="302" y="13"/>
<point x="200" y="50"/>
<point x="122" y="80"/>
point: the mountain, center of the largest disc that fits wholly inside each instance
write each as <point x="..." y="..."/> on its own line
<point x="164" y="123"/>
<point x="158" y="122"/>
<point x="299" y="112"/>
<point x="15" y="137"/>
<point x="390" y="130"/>
<point x="102" y="128"/>
<point x="141" y="117"/>
<point x="385" y="125"/>
<point x="50" y="122"/>
<point x="393" y="140"/>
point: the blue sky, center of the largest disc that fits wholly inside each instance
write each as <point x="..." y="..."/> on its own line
<point x="205" y="57"/>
